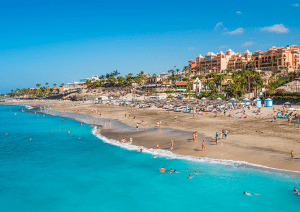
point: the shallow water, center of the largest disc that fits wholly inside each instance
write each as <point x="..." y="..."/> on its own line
<point x="58" y="172"/>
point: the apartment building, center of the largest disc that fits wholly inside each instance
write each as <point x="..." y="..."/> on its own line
<point x="277" y="57"/>
<point x="273" y="59"/>
<point x="218" y="62"/>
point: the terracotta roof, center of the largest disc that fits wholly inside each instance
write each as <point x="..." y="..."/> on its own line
<point x="163" y="73"/>
<point x="181" y="83"/>
<point x="165" y="83"/>
<point x="226" y="77"/>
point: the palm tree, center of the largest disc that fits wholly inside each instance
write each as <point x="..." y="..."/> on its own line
<point x="171" y="71"/>
<point x="47" y="86"/>
<point x="38" y="85"/>
<point x="54" y="85"/>
<point x="116" y="73"/>
<point x="218" y="80"/>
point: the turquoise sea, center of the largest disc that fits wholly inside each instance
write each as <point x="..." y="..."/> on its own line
<point x="58" y="172"/>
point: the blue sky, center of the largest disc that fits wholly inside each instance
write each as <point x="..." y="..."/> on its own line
<point x="63" y="41"/>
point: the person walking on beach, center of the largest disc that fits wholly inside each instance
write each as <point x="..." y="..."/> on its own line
<point x="292" y="155"/>
<point x="175" y="118"/>
<point x="172" y="144"/>
<point x="203" y="146"/>
<point x="130" y="139"/>
<point x="217" y="141"/>
<point x="157" y="146"/>
<point x="225" y="133"/>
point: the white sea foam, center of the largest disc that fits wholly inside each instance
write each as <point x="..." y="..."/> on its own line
<point x="171" y="155"/>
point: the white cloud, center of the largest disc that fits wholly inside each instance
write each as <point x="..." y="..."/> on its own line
<point x="295" y="5"/>
<point x="219" y="25"/>
<point x="279" y="28"/>
<point x="239" y="12"/>
<point x="249" y="43"/>
<point x="222" y="47"/>
<point x="237" y="31"/>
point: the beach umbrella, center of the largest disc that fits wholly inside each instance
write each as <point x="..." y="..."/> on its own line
<point x="246" y="99"/>
<point x="232" y="99"/>
<point x="183" y="98"/>
<point x="192" y="98"/>
<point x="219" y="99"/>
<point x="203" y="98"/>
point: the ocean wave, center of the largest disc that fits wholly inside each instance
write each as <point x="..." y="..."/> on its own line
<point x="171" y="155"/>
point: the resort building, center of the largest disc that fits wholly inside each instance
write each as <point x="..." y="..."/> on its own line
<point x="277" y="57"/>
<point x="239" y="61"/>
<point x="273" y="59"/>
<point x="218" y="62"/>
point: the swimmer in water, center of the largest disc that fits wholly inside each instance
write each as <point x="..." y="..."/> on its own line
<point x="50" y="133"/>
<point x="141" y="149"/>
<point x="295" y="189"/>
<point x="154" y="156"/>
<point x="29" y="138"/>
<point x="170" y="171"/>
<point x="162" y="169"/>
<point x="190" y="176"/>
<point x="248" y="194"/>
<point x="194" y="172"/>
<point x="175" y="171"/>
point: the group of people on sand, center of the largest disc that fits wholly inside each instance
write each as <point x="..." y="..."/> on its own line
<point x="123" y="140"/>
<point x="221" y="135"/>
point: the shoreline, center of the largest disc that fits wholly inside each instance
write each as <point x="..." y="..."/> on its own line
<point x="171" y="155"/>
<point x="227" y="150"/>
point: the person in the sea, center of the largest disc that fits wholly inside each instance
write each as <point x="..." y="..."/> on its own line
<point x="248" y="194"/>
<point x="141" y="149"/>
<point x="175" y="171"/>
<point x="203" y="146"/>
<point x="295" y="189"/>
<point x="194" y="172"/>
<point x="190" y="176"/>
<point x="170" y="171"/>
<point x="123" y="140"/>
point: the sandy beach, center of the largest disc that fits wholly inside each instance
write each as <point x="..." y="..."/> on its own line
<point x="253" y="140"/>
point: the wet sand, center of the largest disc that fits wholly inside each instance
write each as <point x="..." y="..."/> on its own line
<point x="253" y="140"/>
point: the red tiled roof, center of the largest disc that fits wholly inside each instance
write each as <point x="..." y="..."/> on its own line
<point x="180" y="83"/>
<point x="165" y="83"/>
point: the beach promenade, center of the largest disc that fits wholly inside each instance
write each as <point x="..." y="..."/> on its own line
<point x="253" y="139"/>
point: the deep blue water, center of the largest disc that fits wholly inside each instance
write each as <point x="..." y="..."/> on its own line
<point x="58" y="172"/>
